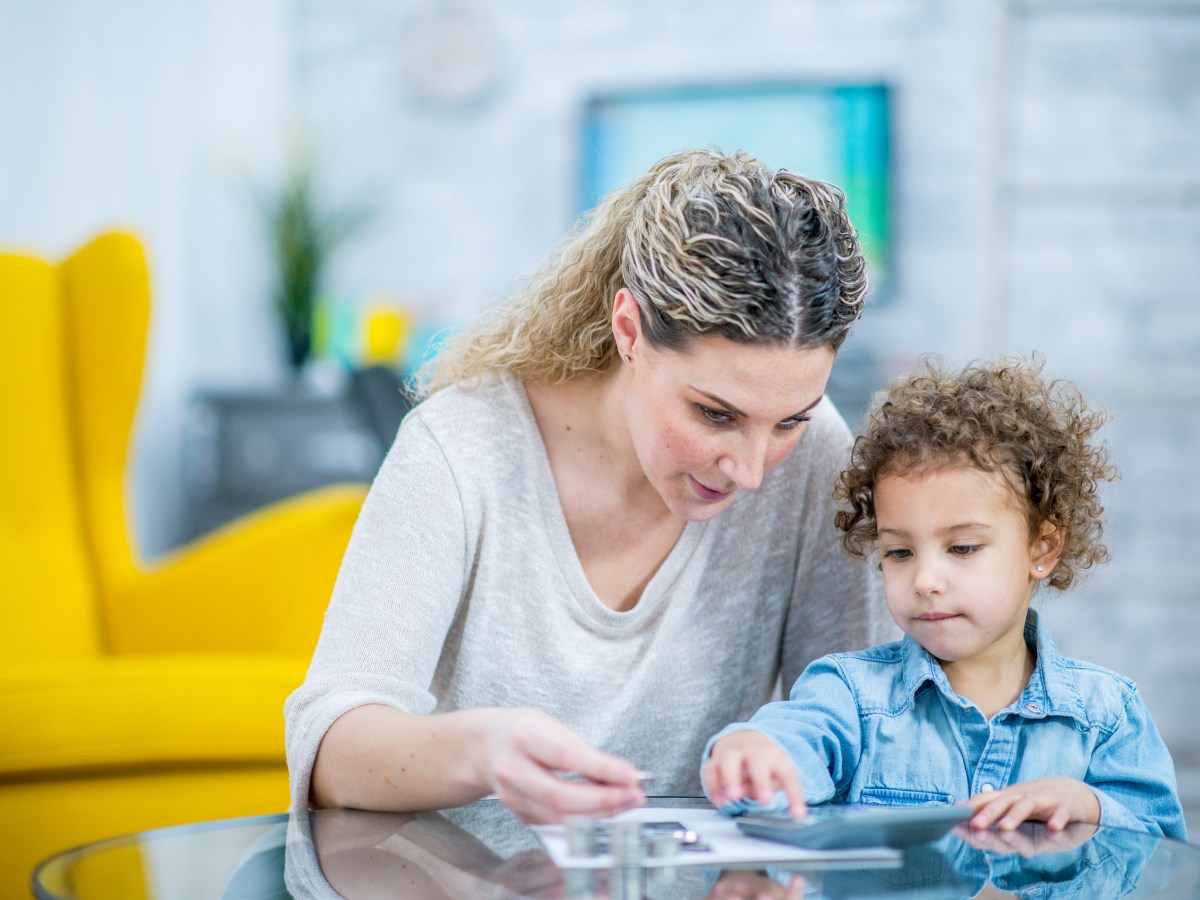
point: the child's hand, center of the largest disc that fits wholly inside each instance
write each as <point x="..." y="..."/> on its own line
<point x="749" y="765"/>
<point x="1055" y="801"/>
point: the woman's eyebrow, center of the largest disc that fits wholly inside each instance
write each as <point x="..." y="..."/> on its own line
<point x="737" y="412"/>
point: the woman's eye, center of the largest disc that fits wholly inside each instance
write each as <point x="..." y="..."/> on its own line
<point x="714" y="415"/>
<point x="793" y="422"/>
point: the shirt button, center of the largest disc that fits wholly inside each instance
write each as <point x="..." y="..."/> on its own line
<point x="1033" y="707"/>
<point x="987" y="787"/>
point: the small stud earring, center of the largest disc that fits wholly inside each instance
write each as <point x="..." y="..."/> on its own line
<point x="628" y="359"/>
<point x="1041" y="569"/>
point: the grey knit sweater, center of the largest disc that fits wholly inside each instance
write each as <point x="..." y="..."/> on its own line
<point x="461" y="588"/>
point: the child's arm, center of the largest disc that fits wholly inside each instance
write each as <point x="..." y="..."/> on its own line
<point x="813" y="738"/>
<point x="1133" y="776"/>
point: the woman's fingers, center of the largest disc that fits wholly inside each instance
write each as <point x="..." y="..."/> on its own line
<point x="538" y="795"/>
<point x="526" y="757"/>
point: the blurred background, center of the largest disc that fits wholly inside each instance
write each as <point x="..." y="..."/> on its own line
<point x="1026" y="176"/>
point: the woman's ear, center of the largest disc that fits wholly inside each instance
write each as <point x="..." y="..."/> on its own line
<point x="626" y="323"/>
<point x="1046" y="550"/>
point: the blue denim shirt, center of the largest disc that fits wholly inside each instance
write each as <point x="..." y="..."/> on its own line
<point x="884" y="726"/>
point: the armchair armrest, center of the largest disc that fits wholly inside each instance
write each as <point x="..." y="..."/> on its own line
<point x="259" y="584"/>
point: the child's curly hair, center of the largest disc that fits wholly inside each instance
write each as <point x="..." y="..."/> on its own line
<point x="1000" y="417"/>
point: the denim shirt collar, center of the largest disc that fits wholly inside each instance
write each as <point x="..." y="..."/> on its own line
<point x="1051" y="691"/>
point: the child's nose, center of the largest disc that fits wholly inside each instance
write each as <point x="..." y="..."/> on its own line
<point x="928" y="579"/>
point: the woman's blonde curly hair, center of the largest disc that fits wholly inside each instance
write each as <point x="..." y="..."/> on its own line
<point x="998" y="417"/>
<point x="706" y="243"/>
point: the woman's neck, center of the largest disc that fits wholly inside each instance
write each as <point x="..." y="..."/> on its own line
<point x="620" y="526"/>
<point x="582" y="421"/>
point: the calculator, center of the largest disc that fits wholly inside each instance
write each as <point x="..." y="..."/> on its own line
<point x="841" y="826"/>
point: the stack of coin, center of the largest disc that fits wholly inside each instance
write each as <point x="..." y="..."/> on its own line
<point x="625" y="842"/>
<point x="663" y="845"/>
<point x="581" y="837"/>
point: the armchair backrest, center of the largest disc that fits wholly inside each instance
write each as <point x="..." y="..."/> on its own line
<point x="71" y="351"/>
<point x="106" y="297"/>
<point x="46" y="580"/>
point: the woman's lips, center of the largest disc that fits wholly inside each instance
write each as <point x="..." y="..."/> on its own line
<point x="707" y="493"/>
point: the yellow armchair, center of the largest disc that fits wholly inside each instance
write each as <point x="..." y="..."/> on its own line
<point x="131" y="695"/>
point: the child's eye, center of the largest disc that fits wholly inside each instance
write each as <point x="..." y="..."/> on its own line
<point x="898" y="553"/>
<point x="963" y="549"/>
<point x="716" y="416"/>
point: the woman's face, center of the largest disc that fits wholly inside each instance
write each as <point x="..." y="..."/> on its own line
<point x="713" y="419"/>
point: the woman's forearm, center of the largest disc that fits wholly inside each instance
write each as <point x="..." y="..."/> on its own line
<point x="377" y="757"/>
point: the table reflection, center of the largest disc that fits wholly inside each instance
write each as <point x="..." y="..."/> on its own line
<point x="484" y="851"/>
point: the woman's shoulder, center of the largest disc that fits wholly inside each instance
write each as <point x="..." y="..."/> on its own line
<point x="480" y="425"/>
<point x="488" y="409"/>
<point x="496" y="395"/>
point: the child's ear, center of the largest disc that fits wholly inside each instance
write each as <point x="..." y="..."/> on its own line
<point x="1047" y="548"/>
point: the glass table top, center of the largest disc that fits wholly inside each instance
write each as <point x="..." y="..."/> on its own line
<point x="483" y="851"/>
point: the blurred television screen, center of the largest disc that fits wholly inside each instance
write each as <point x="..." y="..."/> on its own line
<point x="835" y="132"/>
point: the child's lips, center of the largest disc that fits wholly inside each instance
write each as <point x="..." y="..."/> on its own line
<point x="936" y="616"/>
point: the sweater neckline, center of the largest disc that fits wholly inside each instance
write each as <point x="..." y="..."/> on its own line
<point x="563" y="547"/>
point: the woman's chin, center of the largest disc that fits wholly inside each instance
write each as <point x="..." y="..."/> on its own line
<point x="693" y="509"/>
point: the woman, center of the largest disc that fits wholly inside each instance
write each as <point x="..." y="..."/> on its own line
<point x="591" y="546"/>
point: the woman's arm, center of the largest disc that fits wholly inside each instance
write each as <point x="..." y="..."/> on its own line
<point x="377" y="757"/>
<point x="364" y="729"/>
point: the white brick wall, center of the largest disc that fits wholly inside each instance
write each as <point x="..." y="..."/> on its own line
<point x="1047" y="197"/>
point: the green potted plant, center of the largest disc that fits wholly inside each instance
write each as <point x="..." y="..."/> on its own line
<point x="303" y="237"/>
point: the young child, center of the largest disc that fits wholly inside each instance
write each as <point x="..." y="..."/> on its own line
<point x="975" y="488"/>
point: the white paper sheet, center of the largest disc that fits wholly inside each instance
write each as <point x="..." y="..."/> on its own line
<point x="727" y="842"/>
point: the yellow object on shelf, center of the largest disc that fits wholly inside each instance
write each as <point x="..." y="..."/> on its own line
<point x="132" y="694"/>
<point x="388" y="330"/>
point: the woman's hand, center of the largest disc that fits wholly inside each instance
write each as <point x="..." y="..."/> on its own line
<point x="749" y="765"/>
<point x="523" y="753"/>
<point x="1056" y="801"/>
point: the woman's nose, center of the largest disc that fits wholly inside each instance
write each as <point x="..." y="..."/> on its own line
<point x="745" y="464"/>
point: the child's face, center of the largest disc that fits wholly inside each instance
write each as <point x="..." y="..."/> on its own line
<point x="958" y="562"/>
